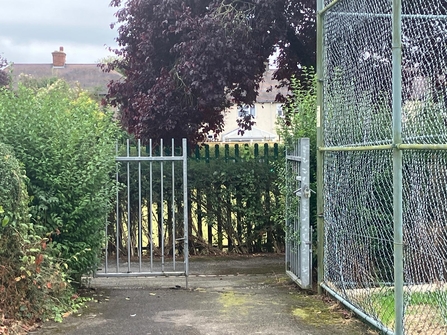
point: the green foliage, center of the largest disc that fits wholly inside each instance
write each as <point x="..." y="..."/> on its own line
<point x="300" y="114"/>
<point x="300" y="121"/>
<point x="383" y="305"/>
<point x="239" y="195"/>
<point x="66" y="143"/>
<point x="232" y="194"/>
<point x="36" y="83"/>
<point x="13" y="196"/>
<point x="32" y="282"/>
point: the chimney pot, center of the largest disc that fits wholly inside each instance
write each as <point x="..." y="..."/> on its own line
<point x="59" y="58"/>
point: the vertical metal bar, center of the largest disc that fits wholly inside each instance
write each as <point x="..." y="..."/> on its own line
<point x="151" y="224"/>
<point x="185" y="209"/>
<point x="305" y="261"/>
<point x="117" y="224"/>
<point x="286" y="214"/>
<point x="128" y="208"/>
<point x="106" y="251"/>
<point x="161" y="223"/>
<point x="397" y="167"/>
<point x="296" y="220"/>
<point x="139" y="209"/>
<point x="294" y="210"/>
<point x="320" y="144"/>
<point x="173" y="205"/>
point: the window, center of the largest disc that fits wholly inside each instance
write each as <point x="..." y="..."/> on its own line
<point x="279" y="111"/>
<point x="246" y="110"/>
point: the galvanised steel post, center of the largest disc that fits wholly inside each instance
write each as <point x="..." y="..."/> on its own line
<point x="185" y="209"/>
<point x="320" y="144"/>
<point x="397" y="167"/>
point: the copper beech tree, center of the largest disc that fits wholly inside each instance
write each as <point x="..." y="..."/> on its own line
<point x="185" y="61"/>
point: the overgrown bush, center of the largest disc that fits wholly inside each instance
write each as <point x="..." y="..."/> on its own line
<point x="300" y="121"/>
<point x="32" y="283"/>
<point x="66" y="143"/>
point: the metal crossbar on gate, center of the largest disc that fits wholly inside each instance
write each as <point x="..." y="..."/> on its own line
<point x="298" y="231"/>
<point x="150" y="231"/>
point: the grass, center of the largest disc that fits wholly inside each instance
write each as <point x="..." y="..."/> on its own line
<point x="416" y="304"/>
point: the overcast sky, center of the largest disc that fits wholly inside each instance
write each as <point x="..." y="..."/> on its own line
<point x="30" y="30"/>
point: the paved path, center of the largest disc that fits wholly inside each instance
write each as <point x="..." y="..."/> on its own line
<point x="244" y="295"/>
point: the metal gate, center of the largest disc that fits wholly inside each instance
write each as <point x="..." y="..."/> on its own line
<point x="147" y="235"/>
<point x="298" y="231"/>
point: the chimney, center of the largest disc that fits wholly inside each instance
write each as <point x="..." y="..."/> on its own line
<point x="59" y="58"/>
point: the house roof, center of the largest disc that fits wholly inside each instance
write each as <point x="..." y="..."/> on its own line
<point x="89" y="76"/>
<point x="255" y="135"/>
<point x="267" y="88"/>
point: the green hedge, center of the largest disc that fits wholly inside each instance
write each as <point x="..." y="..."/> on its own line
<point x="66" y="143"/>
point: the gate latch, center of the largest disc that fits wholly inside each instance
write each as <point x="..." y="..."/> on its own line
<point x="306" y="192"/>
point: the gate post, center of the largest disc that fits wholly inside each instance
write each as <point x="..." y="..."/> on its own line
<point x="185" y="209"/>
<point x="298" y="231"/>
<point x="320" y="206"/>
<point x="305" y="233"/>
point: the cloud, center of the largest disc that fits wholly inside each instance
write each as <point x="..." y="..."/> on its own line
<point x="30" y="30"/>
<point x="40" y="52"/>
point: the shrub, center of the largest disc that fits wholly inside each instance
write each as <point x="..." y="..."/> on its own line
<point x="32" y="284"/>
<point x="299" y="122"/>
<point x="66" y="143"/>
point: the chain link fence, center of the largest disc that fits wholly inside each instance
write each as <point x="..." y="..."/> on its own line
<point x="384" y="160"/>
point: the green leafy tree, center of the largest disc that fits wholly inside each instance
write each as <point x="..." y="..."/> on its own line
<point x="186" y="61"/>
<point x="66" y="143"/>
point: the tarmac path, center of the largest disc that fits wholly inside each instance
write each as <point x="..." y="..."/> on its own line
<point x="225" y="296"/>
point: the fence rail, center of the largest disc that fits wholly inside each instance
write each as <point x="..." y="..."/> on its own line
<point x="236" y="152"/>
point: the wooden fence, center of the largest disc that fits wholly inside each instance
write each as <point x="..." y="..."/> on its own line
<point x="234" y="200"/>
<point x="235" y="203"/>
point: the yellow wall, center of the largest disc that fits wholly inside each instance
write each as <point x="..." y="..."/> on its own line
<point x="265" y="118"/>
